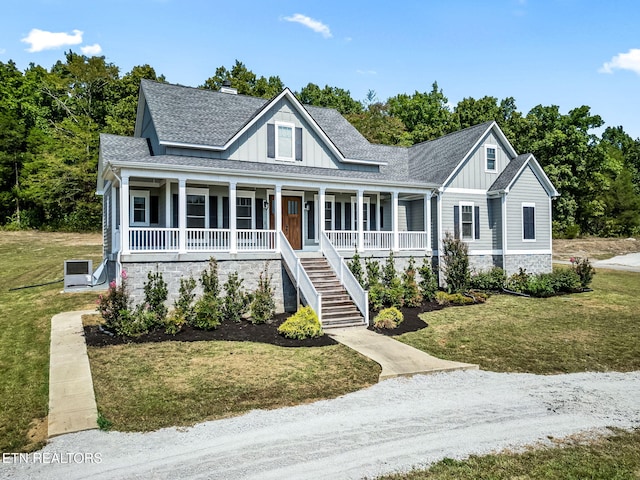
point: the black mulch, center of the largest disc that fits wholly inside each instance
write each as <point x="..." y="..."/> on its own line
<point x="411" y="323"/>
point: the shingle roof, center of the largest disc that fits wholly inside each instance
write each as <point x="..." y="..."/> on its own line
<point x="435" y="160"/>
<point x="508" y="174"/>
<point x="115" y="148"/>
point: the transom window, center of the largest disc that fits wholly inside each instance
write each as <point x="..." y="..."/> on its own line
<point x="467" y="222"/>
<point x="139" y="208"/>
<point x="491" y="158"/>
<point x="284" y="141"/>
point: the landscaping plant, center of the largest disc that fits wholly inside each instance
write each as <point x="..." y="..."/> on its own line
<point x="388" y="318"/>
<point x="155" y="296"/>
<point x="236" y="301"/>
<point x="183" y="308"/>
<point x="372" y="266"/>
<point x="428" y="280"/>
<point x="302" y="324"/>
<point x="263" y="306"/>
<point x="411" y="293"/>
<point x="583" y="268"/>
<point x="355" y="265"/>
<point x="455" y="264"/>
<point x="114" y="305"/>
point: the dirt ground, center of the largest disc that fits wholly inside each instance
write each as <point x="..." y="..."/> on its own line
<point x="594" y="248"/>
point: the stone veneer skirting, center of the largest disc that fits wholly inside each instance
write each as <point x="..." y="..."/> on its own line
<point x="532" y="263"/>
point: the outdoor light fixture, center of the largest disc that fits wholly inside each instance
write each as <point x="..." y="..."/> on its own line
<point x="265" y="205"/>
<point x="307" y="207"/>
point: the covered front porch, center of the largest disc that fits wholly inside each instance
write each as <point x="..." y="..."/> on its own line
<point x="198" y="215"/>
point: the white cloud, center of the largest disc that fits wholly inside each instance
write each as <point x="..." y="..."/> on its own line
<point x="315" y="25"/>
<point x="43" y="40"/>
<point x="623" y="61"/>
<point x="94" y="49"/>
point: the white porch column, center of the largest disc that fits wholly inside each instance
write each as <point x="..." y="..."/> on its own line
<point x="321" y="212"/>
<point x="440" y="237"/>
<point x="379" y="214"/>
<point x="115" y="246"/>
<point x="124" y="215"/>
<point x="360" y="217"/>
<point x="233" y="221"/>
<point x="394" y="217"/>
<point x="182" y="215"/>
<point x="167" y="203"/>
<point x="278" y="212"/>
<point x="427" y="218"/>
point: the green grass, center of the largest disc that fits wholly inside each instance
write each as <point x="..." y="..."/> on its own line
<point x="141" y="387"/>
<point x="594" y="331"/>
<point x="28" y="258"/>
<point x="611" y="457"/>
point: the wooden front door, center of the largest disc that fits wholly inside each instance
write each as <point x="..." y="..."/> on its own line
<point x="291" y="220"/>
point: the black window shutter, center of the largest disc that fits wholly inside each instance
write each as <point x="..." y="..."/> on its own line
<point x="456" y="221"/>
<point x="347" y="215"/>
<point x="271" y="140"/>
<point x="213" y="212"/>
<point x="174" y="211"/>
<point x="259" y="216"/>
<point x="154" y="209"/>
<point x="338" y="212"/>
<point x="372" y="216"/>
<point x="225" y="212"/>
<point x="476" y="223"/>
<point x="311" y="224"/>
<point x="298" y="143"/>
<point x="381" y="217"/>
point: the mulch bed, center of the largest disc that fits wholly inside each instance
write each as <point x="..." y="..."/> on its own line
<point x="412" y="321"/>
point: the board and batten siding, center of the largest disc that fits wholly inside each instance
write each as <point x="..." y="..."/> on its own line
<point x="149" y="131"/>
<point x="487" y="233"/>
<point x="528" y="189"/>
<point x="473" y="174"/>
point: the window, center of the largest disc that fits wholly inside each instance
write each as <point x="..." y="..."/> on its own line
<point x="491" y="158"/>
<point x="467" y="222"/>
<point x="139" y="208"/>
<point x="365" y="211"/>
<point x="330" y="222"/>
<point x="328" y="215"/>
<point x="284" y="141"/>
<point x="529" y="222"/>
<point x="244" y="213"/>
<point x="197" y="208"/>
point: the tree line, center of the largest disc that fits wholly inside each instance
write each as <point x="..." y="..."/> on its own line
<point x="50" y="121"/>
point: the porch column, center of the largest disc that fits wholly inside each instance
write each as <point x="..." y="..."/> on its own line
<point x="394" y="217"/>
<point x="124" y="215"/>
<point x="427" y="218"/>
<point x="360" y="217"/>
<point x="182" y="215"/>
<point x="379" y="214"/>
<point x="278" y="212"/>
<point x="321" y="212"/>
<point x="233" y="221"/>
<point x="114" y="220"/>
<point x="167" y="203"/>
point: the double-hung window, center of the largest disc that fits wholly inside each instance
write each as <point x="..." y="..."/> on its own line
<point x="365" y="213"/>
<point x="197" y="208"/>
<point x="245" y="217"/>
<point x="529" y="222"/>
<point x="284" y="141"/>
<point x="139" y="208"/>
<point x="466" y="221"/>
<point x="491" y="152"/>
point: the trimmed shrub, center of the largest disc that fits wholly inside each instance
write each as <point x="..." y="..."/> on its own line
<point x="303" y="324"/>
<point x="389" y="273"/>
<point x="411" y="293"/>
<point x="208" y="312"/>
<point x="372" y="267"/>
<point x="263" y="306"/>
<point x="455" y="264"/>
<point x="446" y="299"/>
<point x="492" y="280"/>
<point x="155" y="294"/>
<point x="442" y="298"/>
<point x="209" y="278"/>
<point x="137" y="322"/>
<point x="565" y="280"/>
<point x="114" y="305"/>
<point x="236" y="301"/>
<point x="428" y="280"/>
<point x="356" y="268"/>
<point x="518" y="282"/>
<point x="540" y="285"/>
<point x="183" y="308"/>
<point x="584" y="270"/>
<point x="388" y="318"/>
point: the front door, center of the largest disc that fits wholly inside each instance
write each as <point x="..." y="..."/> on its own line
<point x="291" y="220"/>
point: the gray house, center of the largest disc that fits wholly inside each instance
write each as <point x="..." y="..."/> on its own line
<point x="294" y="189"/>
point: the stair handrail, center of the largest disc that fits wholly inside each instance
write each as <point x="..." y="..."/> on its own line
<point x="302" y="281"/>
<point x="359" y="295"/>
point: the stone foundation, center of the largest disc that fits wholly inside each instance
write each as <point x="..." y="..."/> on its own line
<point x="532" y="263"/>
<point x="483" y="263"/>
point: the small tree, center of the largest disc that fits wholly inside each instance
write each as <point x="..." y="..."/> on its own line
<point x="583" y="269"/>
<point x="155" y="294"/>
<point x="208" y="311"/>
<point x="428" y="280"/>
<point x="263" y="307"/>
<point x="209" y="278"/>
<point x="183" y="308"/>
<point x="412" y="296"/>
<point x="389" y="273"/>
<point x="356" y="268"/>
<point x="115" y="304"/>
<point x="372" y="267"/>
<point x="236" y="301"/>
<point x="455" y="264"/>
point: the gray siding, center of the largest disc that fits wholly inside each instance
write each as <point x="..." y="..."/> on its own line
<point x="495" y="221"/>
<point x="107" y="227"/>
<point x="487" y="234"/>
<point x="434" y="223"/>
<point x="473" y="173"/>
<point x="402" y="216"/>
<point x="149" y="131"/>
<point x="527" y="188"/>
<point x="415" y="215"/>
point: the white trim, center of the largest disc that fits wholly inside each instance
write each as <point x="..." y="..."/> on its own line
<point x="461" y="204"/>
<point x="354" y="207"/>
<point x="497" y="251"/>
<point x="467" y="191"/>
<point x="545" y="251"/>
<point x="252" y="196"/>
<point x="199" y="192"/>
<point x="316" y="216"/>
<point x="487" y="146"/>
<point x="147" y="210"/>
<point x="522" y="207"/>
<point x="292" y="127"/>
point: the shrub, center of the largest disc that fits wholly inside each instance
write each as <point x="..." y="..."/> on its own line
<point x="376" y="296"/>
<point x="356" y="268"/>
<point x="372" y="267"/>
<point x="410" y="292"/>
<point x="584" y="270"/>
<point x="208" y="312"/>
<point x="236" y="301"/>
<point x="389" y="273"/>
<point x="518" y="282"/>
<point x="455" y="264"/>
<point x="492" y="280"/>
<point x="184" y="311"/>
<point x="209" y="278"/>
<point x="565" y="280"/>
<point x="114" y="305"/>
<point x="263" y="307"/>
<point x="155" y="294"/>
<point x="303" y="324"/>
<point x="442" y="298"/>
<point x="428" y="280"/>
<point x="388" y="318"/>
<point x="540" y="285"/>
<point x="137" y="322"/>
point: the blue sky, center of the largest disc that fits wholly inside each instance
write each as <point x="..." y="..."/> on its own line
<point x="551" y="52"/>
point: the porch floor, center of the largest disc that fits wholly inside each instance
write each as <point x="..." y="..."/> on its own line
<point x="396" y="359"/>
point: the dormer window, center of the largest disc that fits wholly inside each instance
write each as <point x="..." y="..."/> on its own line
<point x="284" y="141"/>
<point x="491" y="158"/>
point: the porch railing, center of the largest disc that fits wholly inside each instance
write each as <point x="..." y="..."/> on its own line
<point x="343" y="239"/>
<point x="144" y="239"/>
<point x="256" y="240"/>
<point x="358" y="294"/>
<point x="413" y="241"/>
<point x="301" y="280"/>
<point x="378" y="240"/>
<point x="207" y="239"/>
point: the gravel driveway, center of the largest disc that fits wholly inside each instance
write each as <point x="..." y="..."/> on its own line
<point x="391" y="426"/>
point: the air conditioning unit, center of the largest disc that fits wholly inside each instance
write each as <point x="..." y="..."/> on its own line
<point x="78" y="274"/>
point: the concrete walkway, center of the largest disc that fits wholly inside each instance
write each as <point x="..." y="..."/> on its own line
<point x="396" y="358"/>
<point x="72" y="403"/>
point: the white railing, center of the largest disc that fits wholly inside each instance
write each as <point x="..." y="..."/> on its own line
<point x="153" y="239"/>
<point x="413" y="241"/>
<point x="251" y="240"/>
<point x="343" y="239"/>
<point x="358" y="294"/>
<point x="300" y="278"/>
<point x="378" y="240"/>
<point x="207" y="239"/>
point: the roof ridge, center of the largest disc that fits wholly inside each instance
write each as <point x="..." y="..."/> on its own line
<point x="454" y="133"/>
<point x="200" y="89"/>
